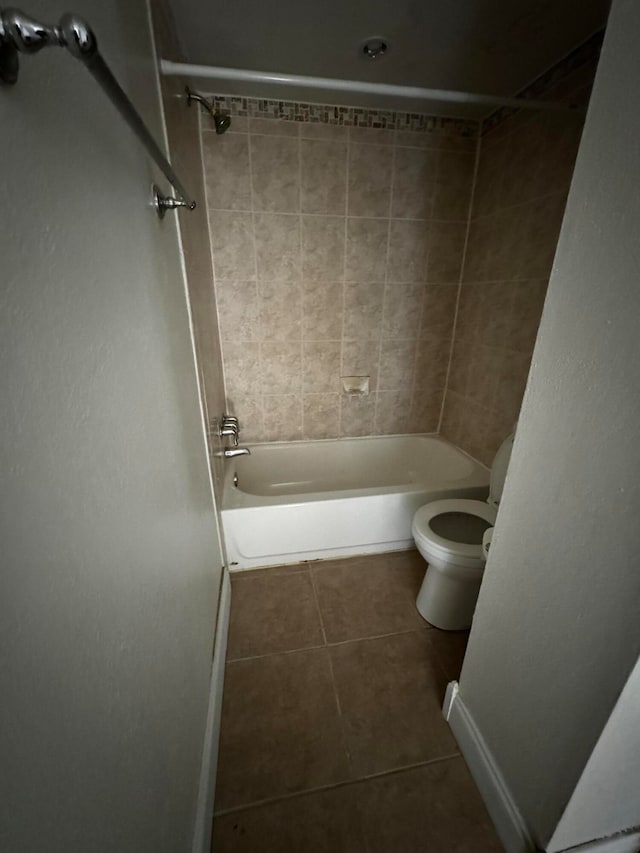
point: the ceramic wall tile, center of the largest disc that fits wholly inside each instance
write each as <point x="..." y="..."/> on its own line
<point x="408" y="249"/>
<point x="438" y="311"/>
<point x="238" y="310"/>
<point x="397" y="365"/>
<point x="322" y="310"/>
<point x="321" y="415"/>
<point x="282" y="417"/>
<point x="446" y="252"/>
<point x="232" y="244"/>
<point x="323" y="171"/>
<point x="366" y="249"/>
<point x="340" y="237"/>
<point x="270" y="126"/>
<point x="226" y="167"/>
<point x="275" y="173"/>
<point x="402" y="310"/>
<point x="357" y="415"/>
<point x="323" y="248"/>
<point x="362" y="310"/>
<point x="281" y="367"/>
<point x="242" y="367"/>
<point x="370" y="171"/>
<point x="414" y="183"/>
<point x="361" y="358"/>
<point x="280" y="310"/>
<point x="392" y="412"/>
<point x="277" y="241"/>
<point x="524" y="167"/>
<point x="321" y="366"/>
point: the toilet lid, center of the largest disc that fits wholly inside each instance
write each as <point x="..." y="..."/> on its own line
<point x="454" y="526"/>
<point x="499" y="470"/>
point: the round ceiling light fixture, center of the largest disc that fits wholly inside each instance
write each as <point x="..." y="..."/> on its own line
<point x="375" y="48"/>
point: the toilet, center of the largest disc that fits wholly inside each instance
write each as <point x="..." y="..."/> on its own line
<point x="450" y="534"/>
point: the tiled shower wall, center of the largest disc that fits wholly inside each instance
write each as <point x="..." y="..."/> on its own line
<point x="337" y="252"/>
<point x="524" y="169"/>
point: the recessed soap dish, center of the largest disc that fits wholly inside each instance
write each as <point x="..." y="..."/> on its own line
<point x="355" y="385"/>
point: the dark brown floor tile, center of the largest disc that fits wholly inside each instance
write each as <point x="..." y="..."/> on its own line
<point x="435" y="808"/>
<point x="390" y="696"/>
<point x="273" y="613"/>
<point x="449" y="648"/>
<point x="369" y="596"/>
<point x="323" y="822"/>
<point x="280" y="729"/>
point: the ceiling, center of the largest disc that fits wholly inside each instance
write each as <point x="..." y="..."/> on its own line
<point x="483" y="46"/>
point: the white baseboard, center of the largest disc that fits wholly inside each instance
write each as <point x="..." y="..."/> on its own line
<point x="207" y="789"/>
<point x="628" y="842"/>
<point x="503" y="811"/>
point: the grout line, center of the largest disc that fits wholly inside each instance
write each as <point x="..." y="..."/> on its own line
<point x="258" y="288"/>
<point x="474" y="181"/>
<point x="562" y="191"/>
<point x="335" y="785"/>
<point x="395" y="131"/>
<point x="337" y="215"/>
<point x="276" y="654"/>
<point x="344" y="277"/>
<point x="384" y="291"/>
<point x="301" y="294"/>
<point x="343" y="732"/>
<point x="334" y="644"/>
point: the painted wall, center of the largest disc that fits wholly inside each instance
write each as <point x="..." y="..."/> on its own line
<point x="337" y="251"/>
<point x="555" y="635"/>
<point x="524" y="169"/>
<point x="110" y="561"/>
<point x="606" y="800"/>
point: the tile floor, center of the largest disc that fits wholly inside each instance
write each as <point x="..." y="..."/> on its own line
<point x="333" y="739"/>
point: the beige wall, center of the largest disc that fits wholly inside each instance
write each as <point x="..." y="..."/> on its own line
<point x="549" y="677"/>
<point x="110" y="562"/>
<point x="337" y="251"/>
<point x="524" y="169"/>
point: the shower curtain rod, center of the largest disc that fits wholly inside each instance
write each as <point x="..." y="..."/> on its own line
<point x="357" y="87"/>
<point x="21" y="34"/>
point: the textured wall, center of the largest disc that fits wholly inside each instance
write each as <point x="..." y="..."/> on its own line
<point x="555" y="634"/>
<point x="337" y="251"/>
<point x="524" y="169"/>
<point x="110" y="565"/>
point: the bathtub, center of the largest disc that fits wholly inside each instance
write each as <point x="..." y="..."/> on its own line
<point x="311" y="500"/>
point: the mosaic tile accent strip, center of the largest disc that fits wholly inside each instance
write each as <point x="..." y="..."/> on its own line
<point x="237" y="105"/>
<point x="585" y="53"/>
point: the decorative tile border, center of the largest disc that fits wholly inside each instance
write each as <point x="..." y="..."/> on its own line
<point x="588" y="51"/>
<point x="237" y="105"/>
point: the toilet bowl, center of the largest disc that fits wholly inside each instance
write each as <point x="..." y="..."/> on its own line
<point x="449" y="534"/>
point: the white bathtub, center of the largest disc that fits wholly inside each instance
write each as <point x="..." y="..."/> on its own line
<point x="312" y="500"/>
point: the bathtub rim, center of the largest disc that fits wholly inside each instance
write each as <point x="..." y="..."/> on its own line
<point x="234" y="497"/>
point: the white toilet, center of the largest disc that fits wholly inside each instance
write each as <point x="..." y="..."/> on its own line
<point x="449" y="534"/>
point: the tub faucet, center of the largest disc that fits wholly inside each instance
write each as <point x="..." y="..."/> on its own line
<point x="230" y="452"/>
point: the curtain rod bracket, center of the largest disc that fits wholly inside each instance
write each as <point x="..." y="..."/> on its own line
<point x="20" y="33"/>
<point x="163" y="203"/>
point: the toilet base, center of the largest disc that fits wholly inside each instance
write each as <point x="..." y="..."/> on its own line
<point x="448" y="596"/>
